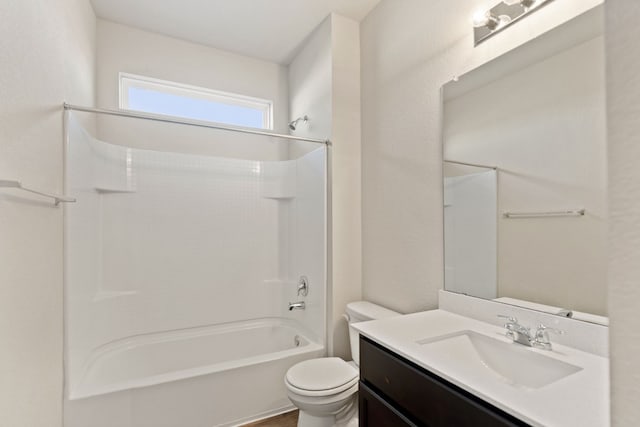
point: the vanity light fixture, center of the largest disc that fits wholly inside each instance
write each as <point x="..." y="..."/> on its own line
<point x="487" y="23"/>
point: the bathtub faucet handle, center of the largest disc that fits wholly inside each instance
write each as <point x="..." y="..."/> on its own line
<point x="296" y="305"/>
<point x="303" y="286"/>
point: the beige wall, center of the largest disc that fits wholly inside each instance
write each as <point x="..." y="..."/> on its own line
<point x="310" y="88"/>
<point x="409" y="49"/>
<point x="324" y="83"/>
<point x="47" y="56"/>
<point x="344" y="158"/>
<point x="131" y="50"/>
<point x="623" y="92"/>
<point x="125" y="49"/>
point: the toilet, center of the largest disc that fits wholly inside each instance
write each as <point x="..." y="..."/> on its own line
<point x="325" y="389"/>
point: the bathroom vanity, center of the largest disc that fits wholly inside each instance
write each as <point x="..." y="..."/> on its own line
<point x="395" y="391"/>
<point x="438" y="368"/>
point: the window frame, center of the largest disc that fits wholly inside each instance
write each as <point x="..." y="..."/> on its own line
<point x="127" y="80"/>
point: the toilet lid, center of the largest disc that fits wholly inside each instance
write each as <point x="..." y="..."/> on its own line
<point x="321" y="374"/>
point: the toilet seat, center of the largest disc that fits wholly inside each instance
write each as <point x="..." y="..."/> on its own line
<point x="321" y="377"/>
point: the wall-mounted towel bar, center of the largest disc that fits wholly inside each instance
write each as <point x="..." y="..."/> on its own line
<point x="10" y="183"/>
<point x="551" y="214"/>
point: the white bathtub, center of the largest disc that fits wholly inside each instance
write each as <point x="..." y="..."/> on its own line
<point x="201" y="377"/>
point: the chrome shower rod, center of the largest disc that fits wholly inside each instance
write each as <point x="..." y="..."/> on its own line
<point x="476" y="165"/>
<point x="197" y="123"/>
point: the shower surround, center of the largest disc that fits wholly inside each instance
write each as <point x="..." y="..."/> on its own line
<point x="178" y="273"/>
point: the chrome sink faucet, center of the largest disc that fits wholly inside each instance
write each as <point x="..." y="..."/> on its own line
<point x="523" y="335"/>
<point x="516" y="331"/>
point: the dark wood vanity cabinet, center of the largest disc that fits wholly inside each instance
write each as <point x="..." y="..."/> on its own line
<point x="396" y="392"/>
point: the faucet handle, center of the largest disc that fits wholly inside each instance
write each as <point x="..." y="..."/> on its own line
<point x="542" y="328"/>
<point x="303" y="286"/>
<point x="510" y="326"/>
<point x="541" y="337"/>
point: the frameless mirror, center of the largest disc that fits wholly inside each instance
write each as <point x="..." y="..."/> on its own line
<point x="525" y="175"/>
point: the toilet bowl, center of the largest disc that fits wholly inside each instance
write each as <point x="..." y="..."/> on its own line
<point x="325" y="389"/>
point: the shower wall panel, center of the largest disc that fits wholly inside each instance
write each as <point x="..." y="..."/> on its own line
<point x="305" y="231"/>
<point x="160" y="241"/>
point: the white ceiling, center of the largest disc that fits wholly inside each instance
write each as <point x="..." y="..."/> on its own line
<point x="265" y="29"/>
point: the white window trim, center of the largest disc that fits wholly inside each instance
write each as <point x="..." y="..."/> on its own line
<point x="127" y="80"/>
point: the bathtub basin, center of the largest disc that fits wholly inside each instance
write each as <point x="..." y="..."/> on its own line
<point x="219" y="375"/>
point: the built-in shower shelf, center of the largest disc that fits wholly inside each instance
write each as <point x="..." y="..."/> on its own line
<point x="105" y="190"/>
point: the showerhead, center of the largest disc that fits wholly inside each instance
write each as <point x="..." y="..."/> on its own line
<point x="294" y="123"/>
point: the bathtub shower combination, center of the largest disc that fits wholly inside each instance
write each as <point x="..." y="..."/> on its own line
<point x="182" y="254"/>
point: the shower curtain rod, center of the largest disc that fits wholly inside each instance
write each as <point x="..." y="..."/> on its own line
<point x="476" y="165"/>
<point x="197" y="123"/>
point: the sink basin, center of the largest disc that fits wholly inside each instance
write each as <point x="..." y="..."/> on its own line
<point x="512" y="363"/>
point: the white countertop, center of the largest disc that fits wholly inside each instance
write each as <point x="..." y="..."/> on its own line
<point x="580" y="399"/>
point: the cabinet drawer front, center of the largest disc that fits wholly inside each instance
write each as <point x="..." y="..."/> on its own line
<point x="426" y="397"/>
<point x="375" y="412"/>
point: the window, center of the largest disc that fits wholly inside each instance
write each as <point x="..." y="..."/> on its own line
<point x="174" y="99"/>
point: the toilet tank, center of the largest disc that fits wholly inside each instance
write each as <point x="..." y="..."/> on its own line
<point x="361" y="311"/>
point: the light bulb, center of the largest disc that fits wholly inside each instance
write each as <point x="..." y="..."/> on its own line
<point x="480" y="18"/>
<point x="486" y="19"/>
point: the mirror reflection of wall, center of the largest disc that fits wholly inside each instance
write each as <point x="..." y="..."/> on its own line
<point x="542" y="123"/>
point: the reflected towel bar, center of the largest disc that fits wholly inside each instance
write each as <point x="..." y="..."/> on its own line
<point x="10" y="183"/>
<point x="514" y="215"/>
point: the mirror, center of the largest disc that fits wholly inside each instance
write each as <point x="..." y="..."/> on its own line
<point x="524" y="161"/>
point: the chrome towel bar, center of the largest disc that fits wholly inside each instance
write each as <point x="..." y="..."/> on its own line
<point x="551" y="214"/>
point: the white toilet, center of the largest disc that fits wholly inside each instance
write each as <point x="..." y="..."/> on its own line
<point x="325" y="389"/>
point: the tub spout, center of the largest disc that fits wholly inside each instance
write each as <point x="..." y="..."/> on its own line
<point x="296" y="305"/>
